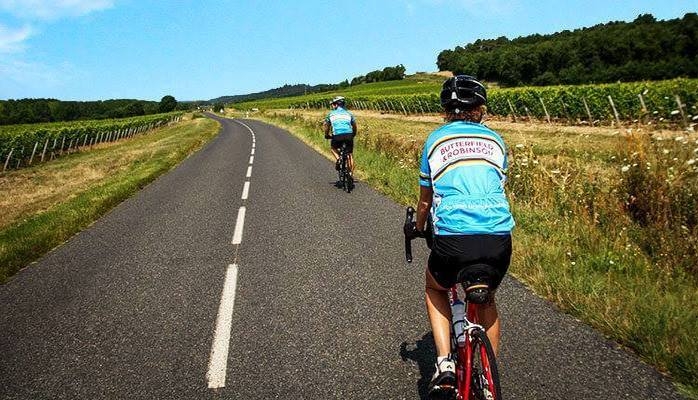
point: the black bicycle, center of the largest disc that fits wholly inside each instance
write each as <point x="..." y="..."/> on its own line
<point x="477" y="377"/>
<point x="346" y="180"/>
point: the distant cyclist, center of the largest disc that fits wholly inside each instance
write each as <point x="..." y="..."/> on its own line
<point x="462" y="177"/>
<point x="340" y="127"/>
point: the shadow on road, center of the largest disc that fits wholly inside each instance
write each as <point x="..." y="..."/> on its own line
<point x="423" y="353"/>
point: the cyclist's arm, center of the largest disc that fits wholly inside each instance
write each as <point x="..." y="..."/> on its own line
<point x="353" y="127"/>
<point x="326" y="127"/>
<point x="423" y="206"/>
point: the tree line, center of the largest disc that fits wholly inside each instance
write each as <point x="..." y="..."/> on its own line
<point x="395" y="73"/>
<point x="645" y="49"/>
<point x="29" y="111"/>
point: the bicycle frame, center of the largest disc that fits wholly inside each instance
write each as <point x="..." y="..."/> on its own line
<point x="473" y="334"/>
<point x="464" y="350"/>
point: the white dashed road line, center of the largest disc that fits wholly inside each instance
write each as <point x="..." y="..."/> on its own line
<point x="246" y="190"/>
<point x="239" y="225"/>
<point x="221" y="340"/>
<point x="218" y="362"/>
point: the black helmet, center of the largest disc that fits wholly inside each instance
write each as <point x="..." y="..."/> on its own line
<point x="339" y="100"/>
<point x="463" y="92"/>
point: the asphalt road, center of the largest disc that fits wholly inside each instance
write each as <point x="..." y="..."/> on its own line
<point x="174" y="295"/>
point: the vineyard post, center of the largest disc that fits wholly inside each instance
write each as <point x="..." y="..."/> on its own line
<point x="70" y="145"/>
<point x="615" y="112"/>
<point x="53" y="148"/>
<point x="528" y="114"/>
<point x="547" y="116"/>
<point x="643" y="110"/>
<point x="586" y="107"/>
<point x="21" y="156"/>
<point x="84" y="141"/>
<point x="683" y="115"/>
<point x="511" y="107"/>
<point x="403" y="108"/>
<point x="62" y="146"/>
<point x="564" y="109"/>
<point x="31" y="159"/>
<point x="43" y="153"/>
<point x="7" y="160"/>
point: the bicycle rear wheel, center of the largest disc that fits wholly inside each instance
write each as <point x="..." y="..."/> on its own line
<point x="484" y="376"/>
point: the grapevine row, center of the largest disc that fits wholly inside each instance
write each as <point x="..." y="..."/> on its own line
<point x="24" y="144"/>
<point x="673" y="100"/>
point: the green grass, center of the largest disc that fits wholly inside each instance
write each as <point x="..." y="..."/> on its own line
<point x="31" y="236"/>
<point x="573" y="243"/>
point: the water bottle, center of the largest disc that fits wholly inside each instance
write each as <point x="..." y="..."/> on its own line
<point x="458" y="313"/>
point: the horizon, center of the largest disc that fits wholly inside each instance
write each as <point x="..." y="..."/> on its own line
<point x="123" y="49"/>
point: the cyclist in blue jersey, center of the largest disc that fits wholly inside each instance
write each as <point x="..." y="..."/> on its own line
<point x="461" y="180"/>
<point x="342" y="125"/>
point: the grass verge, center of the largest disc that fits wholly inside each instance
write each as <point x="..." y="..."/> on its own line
<point x="573" y="243"/>
<point x="105" y="176"/>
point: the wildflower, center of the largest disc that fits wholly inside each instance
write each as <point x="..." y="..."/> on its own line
<point x="625" y="168"/>
<point x="691" y="161"/>
<point x="674" y="112"/>
<point x="520" y="146"/>
<point x="517" y="176"/>
<point x="555" y="171"/>
<point x="611" y="262"/>
<point x="535" y="162"/>
<point x="679" y="138"/>
<point x="574" y="263"/>
<point x="665" y="151"/>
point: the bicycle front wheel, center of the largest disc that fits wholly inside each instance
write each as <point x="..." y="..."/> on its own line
<point x="484" y="376"/>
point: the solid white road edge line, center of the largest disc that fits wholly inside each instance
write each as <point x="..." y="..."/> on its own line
<point x="246" y="190"/>
<point x="218" y="362"/>
<point x="239" y="224"/>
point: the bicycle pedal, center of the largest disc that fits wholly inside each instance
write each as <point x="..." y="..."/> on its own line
<point x="442" y="392"/>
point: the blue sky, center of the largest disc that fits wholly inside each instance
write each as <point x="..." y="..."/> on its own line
<point x="195" y="50"/>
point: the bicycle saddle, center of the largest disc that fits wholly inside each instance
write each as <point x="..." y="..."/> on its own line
<point x="476" y="282"/>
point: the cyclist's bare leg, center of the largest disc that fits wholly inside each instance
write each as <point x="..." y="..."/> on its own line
<point x="351" y="162"/>
<point x="335" y="154"/>
<point x="439" y="311"/>
<point x="488" y="317"/>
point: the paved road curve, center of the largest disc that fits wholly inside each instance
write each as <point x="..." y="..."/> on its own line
<point x="245" y="274"/>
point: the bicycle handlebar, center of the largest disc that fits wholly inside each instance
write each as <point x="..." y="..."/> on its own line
<point x="410" y="231"/>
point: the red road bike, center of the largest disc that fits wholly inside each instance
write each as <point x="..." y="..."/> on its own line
<point x="476" y="367"/>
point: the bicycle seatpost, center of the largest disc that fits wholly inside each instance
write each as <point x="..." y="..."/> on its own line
<point x="409" y="220"/>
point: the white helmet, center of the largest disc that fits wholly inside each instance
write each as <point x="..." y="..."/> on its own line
<point x="339" y="100"/>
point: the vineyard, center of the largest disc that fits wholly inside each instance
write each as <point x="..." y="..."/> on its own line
<point x="22" y="145"/>
<point x="671" y="102"/>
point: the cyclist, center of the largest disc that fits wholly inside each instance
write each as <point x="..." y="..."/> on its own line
<point x="461" y="179"/>
<point x="343" y="126"/>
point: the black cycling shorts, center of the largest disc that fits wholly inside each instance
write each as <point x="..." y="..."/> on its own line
<point x="453" y="254"/>
<point x="337" y="141"/>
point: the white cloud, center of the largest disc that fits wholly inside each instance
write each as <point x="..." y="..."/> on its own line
<point x="53" y="9"/>
<point x="12" y="40"/>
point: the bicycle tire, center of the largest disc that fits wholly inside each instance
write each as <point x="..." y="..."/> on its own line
<point x="485" y="375"/>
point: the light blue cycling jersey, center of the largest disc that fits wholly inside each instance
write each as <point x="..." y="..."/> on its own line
<point x="465" y="164"/>
<point x="341" y="121"/>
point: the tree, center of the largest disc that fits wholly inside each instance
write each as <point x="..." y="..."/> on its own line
<point x="167" y="104"/>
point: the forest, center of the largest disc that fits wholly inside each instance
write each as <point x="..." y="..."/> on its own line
<point x="644" y="49"/>
<point x="29" y="111"/>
